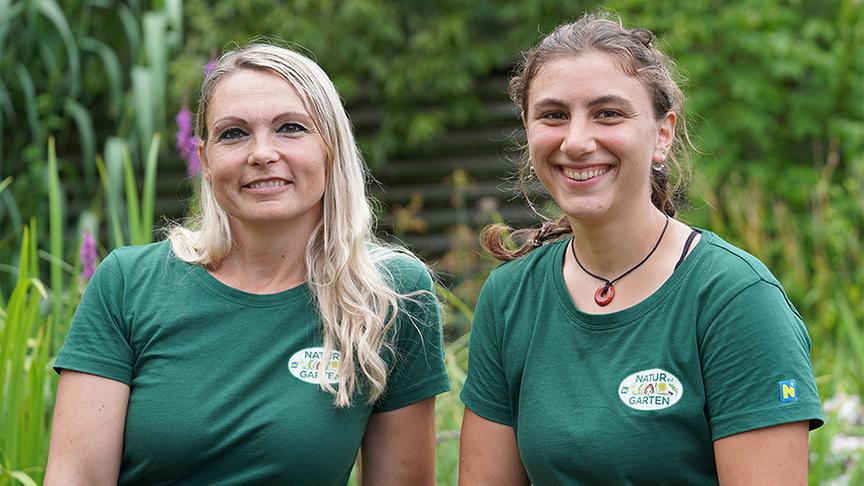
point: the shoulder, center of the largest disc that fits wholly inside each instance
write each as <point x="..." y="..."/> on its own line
<point x="729" y="276"/>
<point x="725" y="270"/>
<point x="401" y="269"/>
<point x="730" y="262"/>
<point x="142" y="254"/>
<point x="136" y="264"/>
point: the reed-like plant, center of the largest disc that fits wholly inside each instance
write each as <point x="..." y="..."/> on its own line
<point x="74" y="70"/>
<point x="119" y="178"/>
<point x="27" y="382"/>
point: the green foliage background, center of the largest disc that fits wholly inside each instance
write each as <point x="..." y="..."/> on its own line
<point x="775" y="106"/>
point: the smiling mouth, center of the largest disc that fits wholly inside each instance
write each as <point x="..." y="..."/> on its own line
<point x="584" y="174"/>
<point x="267" y="183"/>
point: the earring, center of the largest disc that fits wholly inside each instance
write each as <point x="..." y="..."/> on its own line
<point x="660" y="166"/>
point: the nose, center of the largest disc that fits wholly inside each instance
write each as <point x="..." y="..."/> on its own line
<point x="579" y="139"/>
<point x="263" y="150"/>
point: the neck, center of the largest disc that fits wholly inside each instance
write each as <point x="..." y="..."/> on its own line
<point x="609" y="248"/>
<point x="265" y="259"/>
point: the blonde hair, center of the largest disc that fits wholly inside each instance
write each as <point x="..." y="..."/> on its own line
<point x="636" y="54"/>
<point x="357" y="305"/>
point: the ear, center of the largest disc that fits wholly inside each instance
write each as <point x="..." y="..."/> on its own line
<point x="524" y="120"/>
<point x="665" y="137"/>
<point x="205" y="167"/>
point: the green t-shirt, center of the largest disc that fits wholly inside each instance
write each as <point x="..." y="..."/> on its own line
<point x="638" y="396"/>
<point x="223" y="382"/>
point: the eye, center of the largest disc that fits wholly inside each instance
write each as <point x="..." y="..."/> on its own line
<point x="231" y="134"/>
<point x="553" y="115"/>
<point x="609" y="115"/>
<point x="292" y="127"/>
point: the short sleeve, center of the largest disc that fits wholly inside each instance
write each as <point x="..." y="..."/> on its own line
<point x="756" y="364"/>
<point x="418" y="370"/>
<point x="97" y="342"/>
<point x="486" y="391"/>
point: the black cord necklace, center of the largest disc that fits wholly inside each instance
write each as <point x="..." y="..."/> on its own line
<point x="605" y="293"/>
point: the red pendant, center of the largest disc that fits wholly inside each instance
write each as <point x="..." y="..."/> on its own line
<point x="604" y="295"/>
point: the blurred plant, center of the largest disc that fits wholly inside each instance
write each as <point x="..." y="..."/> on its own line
<point x="88" y="256"/>
<point x="187" y="141"/>
<point x="839" y="451"/>
<point x="407" y="219"/>
<point x="27" y="382"/>
<point x="77" y="70"/>
<point x="138" y="214"/>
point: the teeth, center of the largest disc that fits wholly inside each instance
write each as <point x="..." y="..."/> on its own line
<point x="272" y="183"/>
<point x="585" y="174"/>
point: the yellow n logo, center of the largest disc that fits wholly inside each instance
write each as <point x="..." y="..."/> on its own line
<point x="788" y="391"/>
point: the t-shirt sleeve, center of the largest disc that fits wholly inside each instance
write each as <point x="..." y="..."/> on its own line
<point x="97" y="342"/>
<point x="486" y="392"/>
<point x="418" y="370"/>
<point x="756" y="364"/>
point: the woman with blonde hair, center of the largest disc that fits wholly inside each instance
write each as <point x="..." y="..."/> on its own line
<point x="273" y="336"/>
<point x="635" y="350"/>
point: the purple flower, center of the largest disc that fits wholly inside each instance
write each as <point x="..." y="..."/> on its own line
<point x="88" y="255"/>
<point x="209" y="67"/>
<point x="187" y="142"/>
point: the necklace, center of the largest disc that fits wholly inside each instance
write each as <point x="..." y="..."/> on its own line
<point x="606" y="292"/>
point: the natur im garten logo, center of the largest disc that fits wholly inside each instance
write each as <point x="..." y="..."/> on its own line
<point x="653" y="389"/>
<point x="304" y="365"/>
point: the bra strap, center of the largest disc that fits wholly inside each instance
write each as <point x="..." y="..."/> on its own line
<point x="687" y="247"/>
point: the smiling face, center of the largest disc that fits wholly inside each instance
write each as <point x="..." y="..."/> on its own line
<point x="263" y="155"/>
<point x="593" y="135"/>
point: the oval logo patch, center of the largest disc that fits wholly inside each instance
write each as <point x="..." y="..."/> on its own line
<point x="304" y="365"/>
<point x="653" y="389"/>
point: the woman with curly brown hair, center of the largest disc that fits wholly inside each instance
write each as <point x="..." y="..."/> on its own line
<point x="636" y="350"/>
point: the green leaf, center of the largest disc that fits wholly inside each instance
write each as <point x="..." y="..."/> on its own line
<point x="88" y="136"/>
<point x="111" y="63"/>
<point x="54" y="13"/>
<point x="29" y="91"/>
<point x="148" y="193"/>
<point x="55" y="223"/>
<point x="144" y="102"/>
<point x="133" y="215"/>
<point x="130" y="26"/>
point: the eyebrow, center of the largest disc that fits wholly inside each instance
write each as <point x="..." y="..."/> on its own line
<point x="229" y="120"/>
<point x="600" y="100"/>
<point x="611" y="99"/>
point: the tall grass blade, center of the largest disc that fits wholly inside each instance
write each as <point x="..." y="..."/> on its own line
<point x="130" y="26"/>
<point x="114" y="148"/>
<point x="55" y="231"/>
<point x="111" y="64"/>
<point x="84" y="123"/>
<point x="148" y="193"/>
<point x="156" y="52"/>
<point x="174" y="15"/>
<point x="55" y="225"/>
<point x="143" y="99"/>
<point x="22" y="316"/>
<point x="52" y="11"/>
<point x="8" y="205"/>
<point x="133" y="214"/>
<point x="455" y="301"/>
<point x="23" y="478"/>
<point x="30" y="103"/>
<point x="8" y="14"/>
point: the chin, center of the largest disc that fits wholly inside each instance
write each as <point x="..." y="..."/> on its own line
<point x="585" y="211"/>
